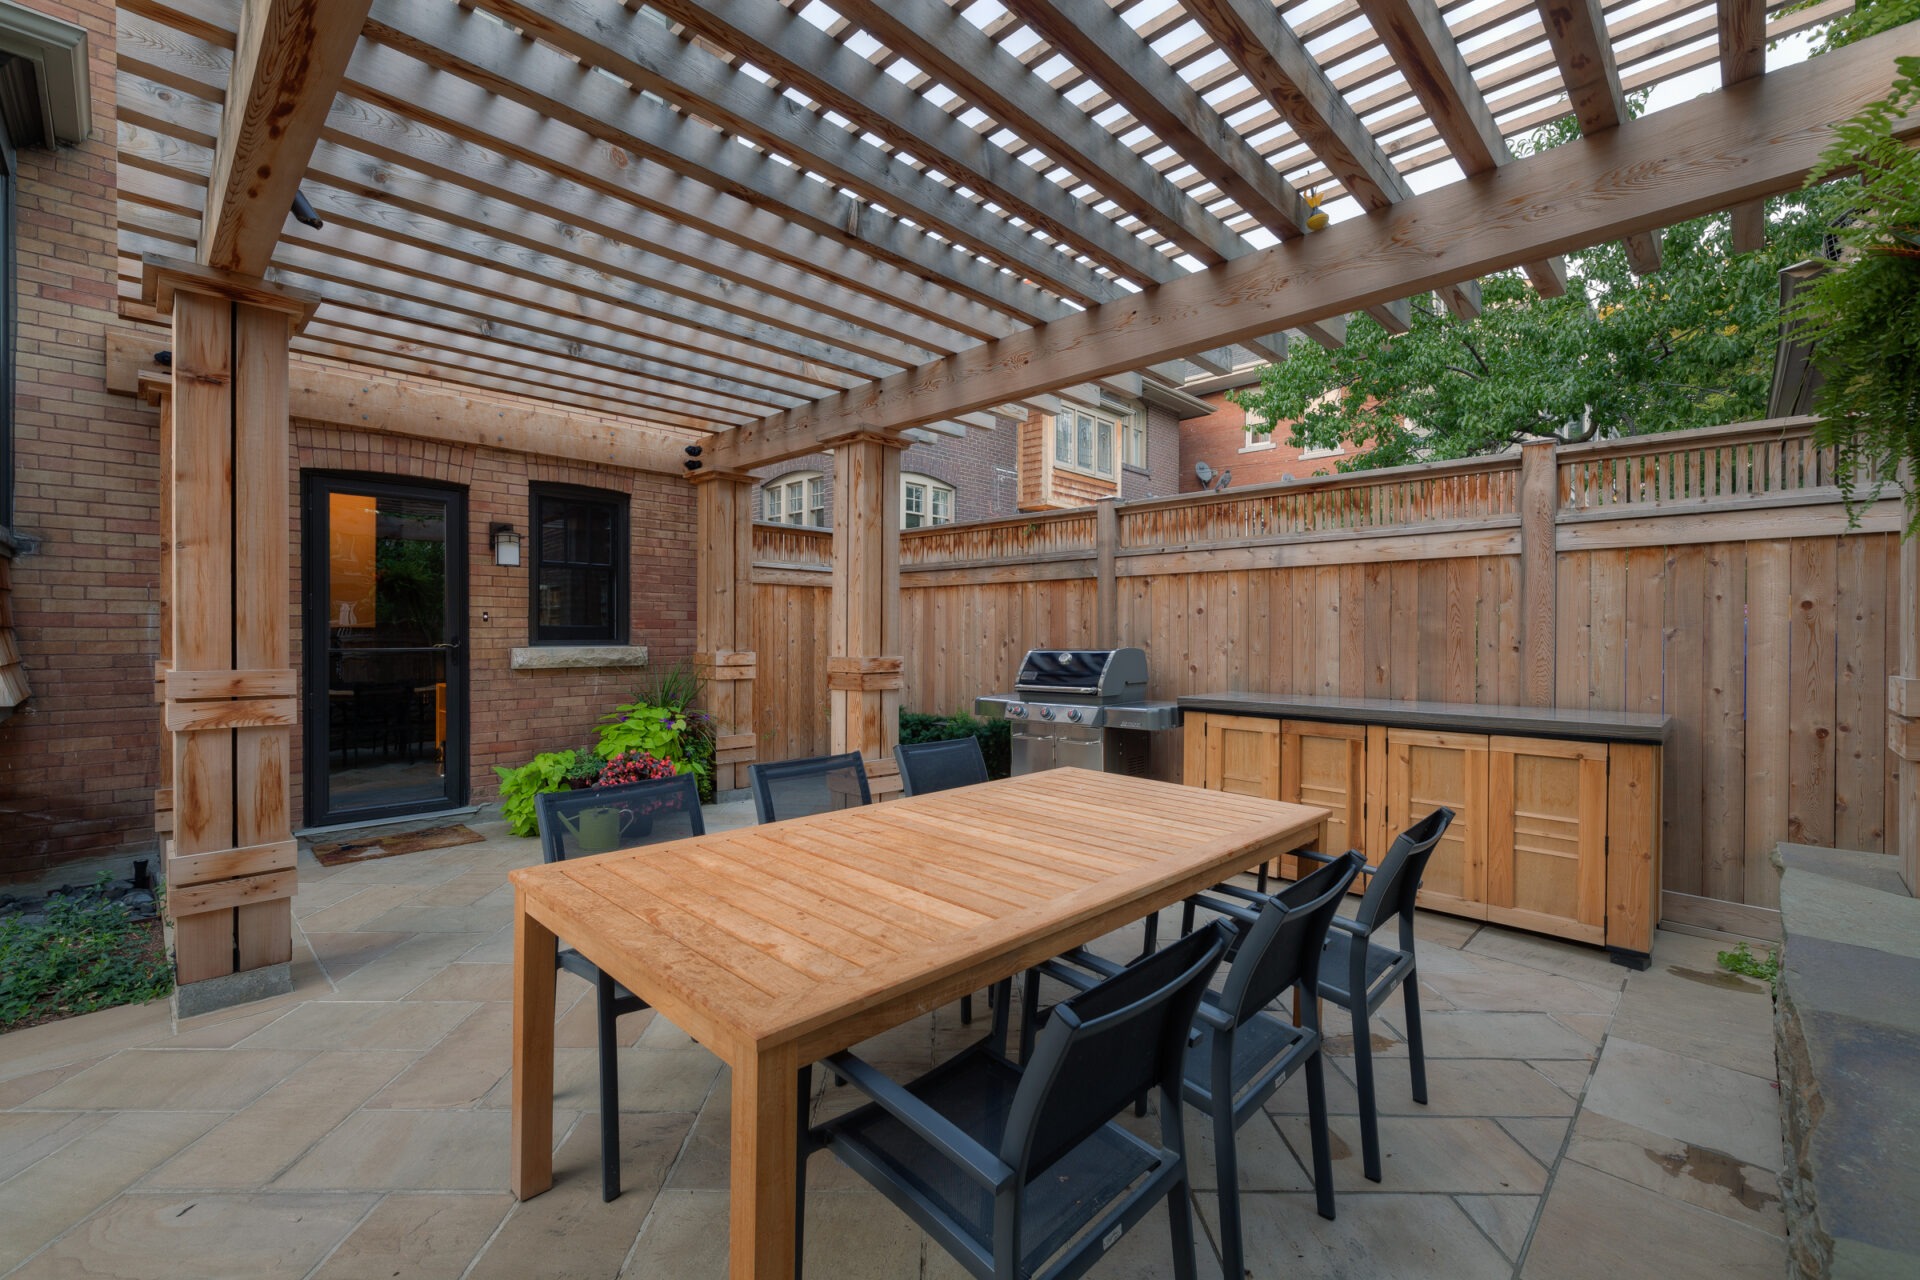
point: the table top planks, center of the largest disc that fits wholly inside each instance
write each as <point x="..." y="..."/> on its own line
<point x="815" y="929"/>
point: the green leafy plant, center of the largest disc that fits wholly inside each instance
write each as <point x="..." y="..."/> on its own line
<point x="87" y="953"/>
<point x="1862" y="318"/>
<point x="548" y="771"/>
<point x="585" y="770"/>
<point x="995" y="735"/>
<point x="663" y="721"/>
<point x="1742" y="961"/>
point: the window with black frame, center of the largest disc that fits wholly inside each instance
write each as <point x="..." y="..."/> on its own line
<point x="579" y="566"/>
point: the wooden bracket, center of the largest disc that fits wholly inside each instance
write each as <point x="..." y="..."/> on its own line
<point x="238" y="713"/>
<point x="184" y="869"/>
<point x="219" y="895"/>
<point x="865" y="675"/>
<point x="1903" y="696"/>
<point x="162" y="277"/>
<point x="1903" y="737"/>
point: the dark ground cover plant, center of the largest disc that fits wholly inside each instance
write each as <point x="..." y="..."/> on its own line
<point x="83" y="952"/>
<point x="996" y="735"/>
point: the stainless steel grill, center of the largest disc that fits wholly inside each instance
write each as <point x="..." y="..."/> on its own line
<point x="1081" y="707"/>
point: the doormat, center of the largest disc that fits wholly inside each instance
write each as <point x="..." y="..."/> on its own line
<point x="338" y="853"/>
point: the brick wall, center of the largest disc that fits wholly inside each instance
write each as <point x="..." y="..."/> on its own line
<point x="514" y="714"/>
<point x="1220" y="440"/>
<point x="77" y="759"/>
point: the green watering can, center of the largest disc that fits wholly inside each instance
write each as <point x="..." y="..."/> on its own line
<point x="605" y="828"/>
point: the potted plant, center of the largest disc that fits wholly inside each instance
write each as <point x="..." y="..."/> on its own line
<point x="603" y="828"/>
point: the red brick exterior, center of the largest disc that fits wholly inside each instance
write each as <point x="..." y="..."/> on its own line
<point x="1220" y="440"/>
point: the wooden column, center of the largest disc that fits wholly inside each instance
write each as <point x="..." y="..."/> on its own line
<point x="1903" y="716"/>
<point x="156" y="389"/>
<point x="723" y="578"/>
<point x="863" y="627"/>
<point x="1539" y="570"/>
<point x="230" y="690"/>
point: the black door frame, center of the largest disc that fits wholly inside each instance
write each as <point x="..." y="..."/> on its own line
<point x="315" y="486"/>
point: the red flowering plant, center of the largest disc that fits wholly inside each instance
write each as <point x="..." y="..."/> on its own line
<point x="636" y="766"/>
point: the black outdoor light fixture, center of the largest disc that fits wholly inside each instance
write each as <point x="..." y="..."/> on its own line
<point x="506" y="545"/>
<point x="693" y="457"/>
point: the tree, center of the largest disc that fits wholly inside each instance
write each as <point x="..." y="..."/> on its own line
<point x="1691" y="345"/>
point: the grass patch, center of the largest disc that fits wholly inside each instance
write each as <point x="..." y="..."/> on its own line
<point x="88" y="953"/>
<point x="1741" y="960"/>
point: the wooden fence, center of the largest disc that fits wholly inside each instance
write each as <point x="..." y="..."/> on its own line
<point x="1709" y="574"/>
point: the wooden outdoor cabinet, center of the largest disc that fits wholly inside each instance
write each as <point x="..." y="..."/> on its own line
<point x="1558" y="834"/>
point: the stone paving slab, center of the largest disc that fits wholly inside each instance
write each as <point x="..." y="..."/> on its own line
<point x="356" y="1129"/>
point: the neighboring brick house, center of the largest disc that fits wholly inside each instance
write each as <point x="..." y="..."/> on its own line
<point x="997" y="474"/>
<point x="1220" y="441"/>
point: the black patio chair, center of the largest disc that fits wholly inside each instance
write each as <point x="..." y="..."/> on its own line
<point x="926" y="767"/>
<point x="1359" y="972"/>
<point x="796" y="788"/>
<point x="1243" y="1052"/>
<point x="1020" y="1171"/>
<point x="579" y="823"/>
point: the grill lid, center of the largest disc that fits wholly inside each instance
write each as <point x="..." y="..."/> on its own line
<point x="1103" y="673"/>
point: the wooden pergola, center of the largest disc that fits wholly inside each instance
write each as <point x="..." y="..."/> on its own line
<point x="768" y="227"/>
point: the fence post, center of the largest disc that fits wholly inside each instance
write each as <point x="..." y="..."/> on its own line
<point x="1539" y="569"/>
<point x="724" y="656"/>
<point x="1903" y="714"/>
<point x="1106" y="600"/>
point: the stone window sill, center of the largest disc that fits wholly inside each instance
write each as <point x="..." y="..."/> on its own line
<point x="573" y="657"/>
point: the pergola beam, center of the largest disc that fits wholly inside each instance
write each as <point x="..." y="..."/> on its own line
<point x="1741" y="143"/>
<point x="288" y="60"/>
<point x="1577" y="32"/>
<point x="1416" y="35"/>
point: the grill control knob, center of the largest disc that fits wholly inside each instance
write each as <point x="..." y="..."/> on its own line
<point x="1046" y="713"/>
<point x="1017" y="711"/>
<point x="1074" y="715"/>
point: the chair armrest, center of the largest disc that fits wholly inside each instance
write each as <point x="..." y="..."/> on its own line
<point x="1245" y="895"/>
<point x="1365" y="869"/>
<point x="1088" y="960"/>
<point x="979" y="1164"/>
<point x="1348" y="926"/>
<point x="1214" y="1016"/>
<point x="1227" y="909"/>
<point x="1058" y="971"/>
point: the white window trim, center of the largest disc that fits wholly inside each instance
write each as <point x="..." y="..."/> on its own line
<point x="932" y="486"/>
<point x="1256" y="443"/>
<point x="773" y="504"/>
<point x="1114" y="455"/>
<point x="1135" y="424"/>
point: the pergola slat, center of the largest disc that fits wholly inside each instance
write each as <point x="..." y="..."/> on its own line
<point x="1742" y="28"/>
<point x="1416" y="35"/>
<point x="1688" y="160"/>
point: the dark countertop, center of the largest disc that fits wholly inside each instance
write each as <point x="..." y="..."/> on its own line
<point x="1456" y="717"/>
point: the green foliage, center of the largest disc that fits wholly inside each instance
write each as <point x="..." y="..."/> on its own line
<point x="1863" y="318"/>
<point x="548" y="771"/>
<point x="1866" y="18"/>
<point x="586" y="768"/>
<point x="1691" y="345"/>
<point x="995" y="734"/>
<point x="676" y="688"/>
<point x="1742" y="961"/>
<point x="88" y="953"/>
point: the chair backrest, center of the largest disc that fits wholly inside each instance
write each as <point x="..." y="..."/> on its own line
<point x="1395" y="885"/>
<point x="602" y="819"/>
<point x="1284" y="943"/>
<point x="939" y="766"/>
<point x="796" y="788"/>
<point x="1103" y="1048"/>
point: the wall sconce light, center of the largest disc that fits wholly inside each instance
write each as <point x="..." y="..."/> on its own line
<point x="506" y="545"/>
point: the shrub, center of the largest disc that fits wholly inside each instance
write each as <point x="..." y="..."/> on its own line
<point x="87" y="953"/>
<point x="995" y="735"/>
<point x="548" y="771"/>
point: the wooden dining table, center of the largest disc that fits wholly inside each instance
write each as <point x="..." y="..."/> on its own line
<point x="777" y="945"/>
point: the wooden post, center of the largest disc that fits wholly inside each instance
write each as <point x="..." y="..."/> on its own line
<point x="1539" y="569"/>
<point x="1106" y="604"/>
<point x="157" y="390"/>
<point x="1903" y="715"/>
<point x="723" y="578"/>
<point x="230" y="690"/>
<point x="863" y="629"/>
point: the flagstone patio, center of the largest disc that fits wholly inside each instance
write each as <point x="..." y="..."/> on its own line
<point x="1583" y="1121"/>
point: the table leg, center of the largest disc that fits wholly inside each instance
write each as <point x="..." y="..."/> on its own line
<point x="766" y="1123"/>
<point x="533" y="978"/>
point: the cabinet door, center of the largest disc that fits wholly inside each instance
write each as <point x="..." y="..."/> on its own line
<point x="1326" y="765"/>
<point x="1424" y="771"/>
<point x="1547" y="836"/>
<point x="1243" y="756"/>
